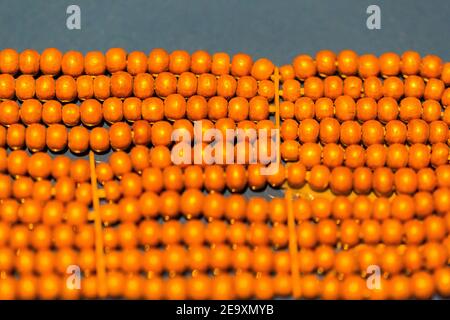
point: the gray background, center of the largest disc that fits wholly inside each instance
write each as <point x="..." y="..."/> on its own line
<point x="278" y="30"/>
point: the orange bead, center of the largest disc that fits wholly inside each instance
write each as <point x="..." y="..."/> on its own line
<point x="220" y="63"/>
<point x="226" y="86"/>
<point x="373" y="87"/>
<point x="200" y="62"/>
<point x="91" y="112"/>
<point x="345" y="262"/>
<point x="372" y="132"/>
<point x="158" y="60"/>
<point x="353" y="87"/>
<point x="25" y="87"/>
<point x="258" y="234"/>
<point x="10" y="112"/>
<point x="370" y="232"/>
<point x="199" y="287"/>
<point x="94" y="63"/>
<point x="35" y="137"/>
<point x="121" y="84"/>
<point x="431" y="110"/>
<point x="387" y="109"/>
<point x="45" y="87"/>
<point x="29" y="62"/>
<point x="310" y="154"/>
<point x="85" y="87"/>
<point x="50" y="61"/>
<point x="7" y="86"/>
<point x="247" y="87"/>
<point x="132" y="109"/>
<point x="350" y="236"/>
<point x="308" y="130"/>
<point x="327" y="232"/>
<point x="330" y="290"/>
<point x="332" y="155"/>
<point x="241" y="65"/>
<point x="102" y="87"/>
<point x="174" y="107"/>
<point x="217" y="108"/>
<point x="350" y="133"/>
<point x="307" y="235"/>
<point x="414" y="86"/>
<point x="111" y="110"/>
<point x="165" y="84"/>
<point x="116" y="60"/>
<point x="161" y="133"/>
<point x="324" y="108"/>
<point x="187" y="84"/>
<point x="431" y="66"/>
<point x="266" y="89"/>
<point x="197" y="108"/>
<point x="304" y="67"/>
<point x="411" y="62"/>
<point x="346" y="108"/>
<point x="153" y="109"/>
<point x="435" y="255"/>
<point x="66" y="88"/>
<point x="236" y="177"/>
<point x="78" y="140"/>
<point x="79" y="170"/>
<point x="368" y="65"/>
<point x="393" y="87"/>
<point x="72" y="63"/>
<point x="319" y="177"/>
<point x="61" y="166"/>
<point x="326" y="62"/>
<point x="329" y="130"/>
<point x="422" y="285"/>
<point x="143" y="85"/>
<point x="52" y="112"/>
<point x="262" y="69"/>
<point x="389" y="64"/>
<point x="191" y="203"/>
<point x="438" y="132"/>
<point x="170" y="203"/>
<point x="442" y="281"/>
<point x="120" y="136"/>
<point x="180" y="61"/>
<point x="347" y="62"/>
<point x="333" y="87"/>
<point x="341" y="180"/>
<point x="70" y="114"/>
<point x="291" y="90"/>
<point x="160" y="156"/>
<point x="39" y="165"/>
<point x="136" y="62"/>
<point x="199" y="257"/>
<point x="310" y="286"/>
<point x="353" y="287"/>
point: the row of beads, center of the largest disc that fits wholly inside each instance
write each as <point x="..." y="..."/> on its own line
<point x="348" y="63"/>
<point x="333" y="87"/>
<point x="395" y="156"/>
<point x="92" y="112"/>
<point x="344" y="108"/>
<point x="52" y="62"/>
<point x="122" y="85"/>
